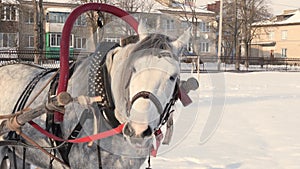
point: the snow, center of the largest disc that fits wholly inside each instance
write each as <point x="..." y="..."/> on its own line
<point x="256" y="119"/>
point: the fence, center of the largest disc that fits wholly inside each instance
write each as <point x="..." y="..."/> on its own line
<point x="188" y="62"/>
<point x="254" y="64"/>
<point x="11" y="56"/>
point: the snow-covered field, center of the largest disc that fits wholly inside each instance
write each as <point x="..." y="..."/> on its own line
<point x="257" y="121"/>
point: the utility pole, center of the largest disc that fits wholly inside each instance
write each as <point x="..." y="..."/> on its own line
<point x="41" y="26"/>
<point x="38" y="30"/>
<point x="220" y="35"/>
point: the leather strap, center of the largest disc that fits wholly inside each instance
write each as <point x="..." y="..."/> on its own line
<point x="86" y="139"/>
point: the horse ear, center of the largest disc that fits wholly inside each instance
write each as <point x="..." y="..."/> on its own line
<point x="183" y="40"/>
<point x="142" y="29"/>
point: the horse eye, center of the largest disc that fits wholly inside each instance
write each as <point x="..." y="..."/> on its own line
<point x="172" y="78"/>
<point x="133" y="69"/>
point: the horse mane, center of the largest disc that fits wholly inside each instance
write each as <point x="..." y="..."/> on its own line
<point x="157" y="44"/>
<point x="157" y="41"/>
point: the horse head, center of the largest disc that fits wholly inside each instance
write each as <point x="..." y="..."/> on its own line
<point x="144" y="80"/>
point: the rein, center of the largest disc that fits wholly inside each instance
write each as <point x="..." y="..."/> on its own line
<point x="86" y="139"/>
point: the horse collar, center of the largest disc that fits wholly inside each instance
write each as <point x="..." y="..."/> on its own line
<point x="99" y="82"/>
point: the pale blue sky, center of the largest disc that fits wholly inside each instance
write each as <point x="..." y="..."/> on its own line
<point x="277" y="6"/>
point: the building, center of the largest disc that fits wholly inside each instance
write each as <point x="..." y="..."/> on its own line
<point x="279" y="37"/>
<point x="19" y="32"/>
<point x="203" y="42"/>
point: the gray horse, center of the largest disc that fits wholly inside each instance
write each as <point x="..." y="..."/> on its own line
<point x="149" y="66"/>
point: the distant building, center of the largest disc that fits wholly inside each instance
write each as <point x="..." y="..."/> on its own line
<point x="17" y="28"/>
<point x="168" y="17"/>
<point x="279" y="37"/>
<point x="214" y="7"/>
<point x="203" y="42"/>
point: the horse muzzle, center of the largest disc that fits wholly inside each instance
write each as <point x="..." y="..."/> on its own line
<point x="137" y="130"/>
<point x="144" y="139"/>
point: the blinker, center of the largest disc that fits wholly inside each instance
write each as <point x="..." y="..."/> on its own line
<point x="184" y="88"/>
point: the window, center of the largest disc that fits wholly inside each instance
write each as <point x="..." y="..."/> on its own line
<point x="81" y="21"/>
<point x="57" y="17"/>
<point x="284" y="52"/>
<point x="112" y="40"/>
<point x="80" y="43"/>
<point x="204" y="26"/>
<point x="204" y="47"/>
<point x="29" y="17"/>
<point x="29" y="41"/>
<point x="271" y="35"/>
<point x="8" y="40"/>
<point x="284" y="34"/>
<point x="184" y="24"/>
<point x="9" y="13"/>
<point x="190" y="47"/>
<point x="1" y="40"/>
<point x="55" y="39"/>
<point x="168" y="24"/>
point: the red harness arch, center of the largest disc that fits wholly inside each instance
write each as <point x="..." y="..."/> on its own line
<point x="65" y="41"/>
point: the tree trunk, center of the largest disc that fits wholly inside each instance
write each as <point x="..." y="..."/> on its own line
<point x="247" y="55"/>
<point x="36" y="34"/>
<point x="237" y="56"/>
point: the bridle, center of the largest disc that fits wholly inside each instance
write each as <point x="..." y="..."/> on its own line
<point x="164" y="112"/>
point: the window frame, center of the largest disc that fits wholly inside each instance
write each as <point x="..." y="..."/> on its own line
<point x="82" y="42"/>
<point x="284" y="52"/>
<point x="11" y="40"/>
<point x="9" y="13"/>
<point x="204" y="47"/>
<point x="29" y="17"/>
<point x="57" y="38"/>
<point x="284" y="35"/>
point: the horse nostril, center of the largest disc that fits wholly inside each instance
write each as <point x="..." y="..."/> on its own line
<point x="128" y="130"/>
<point x="147" y="132"/>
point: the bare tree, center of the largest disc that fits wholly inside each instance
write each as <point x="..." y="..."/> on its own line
<point x="138" y="8"/>
<point x="95" y="19"/>
<point x="202" y="23"/>
<point x="38" y="29"/>
<point x="251" y="11"/>
<point x="239" y="16"/>
<point x="231" y="30"/>
<point x="100" y="19"/>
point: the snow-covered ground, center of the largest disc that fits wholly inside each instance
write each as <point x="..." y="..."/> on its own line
<point x="256" y="116"/>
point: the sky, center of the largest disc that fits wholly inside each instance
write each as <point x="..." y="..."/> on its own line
<point x="277" y="6"/>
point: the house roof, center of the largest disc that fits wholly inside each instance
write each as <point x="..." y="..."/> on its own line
<point x="179" y="7"/>
<point x="295" y="18"/>
<point x="287" y="18"/>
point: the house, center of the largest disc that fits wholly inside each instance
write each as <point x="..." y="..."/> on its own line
<point x="279" y="37"/>
<point x="18" y="31"/>
<point x="17" y="28"/>
<point x="203" y="42"/>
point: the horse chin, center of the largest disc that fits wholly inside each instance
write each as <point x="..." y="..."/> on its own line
<point x="138" y="142"/>
<point x="135" y="138"/>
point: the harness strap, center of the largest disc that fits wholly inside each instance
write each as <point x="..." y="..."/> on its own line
<point x="86" y="139"/>
<point x="99" y="82"/>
